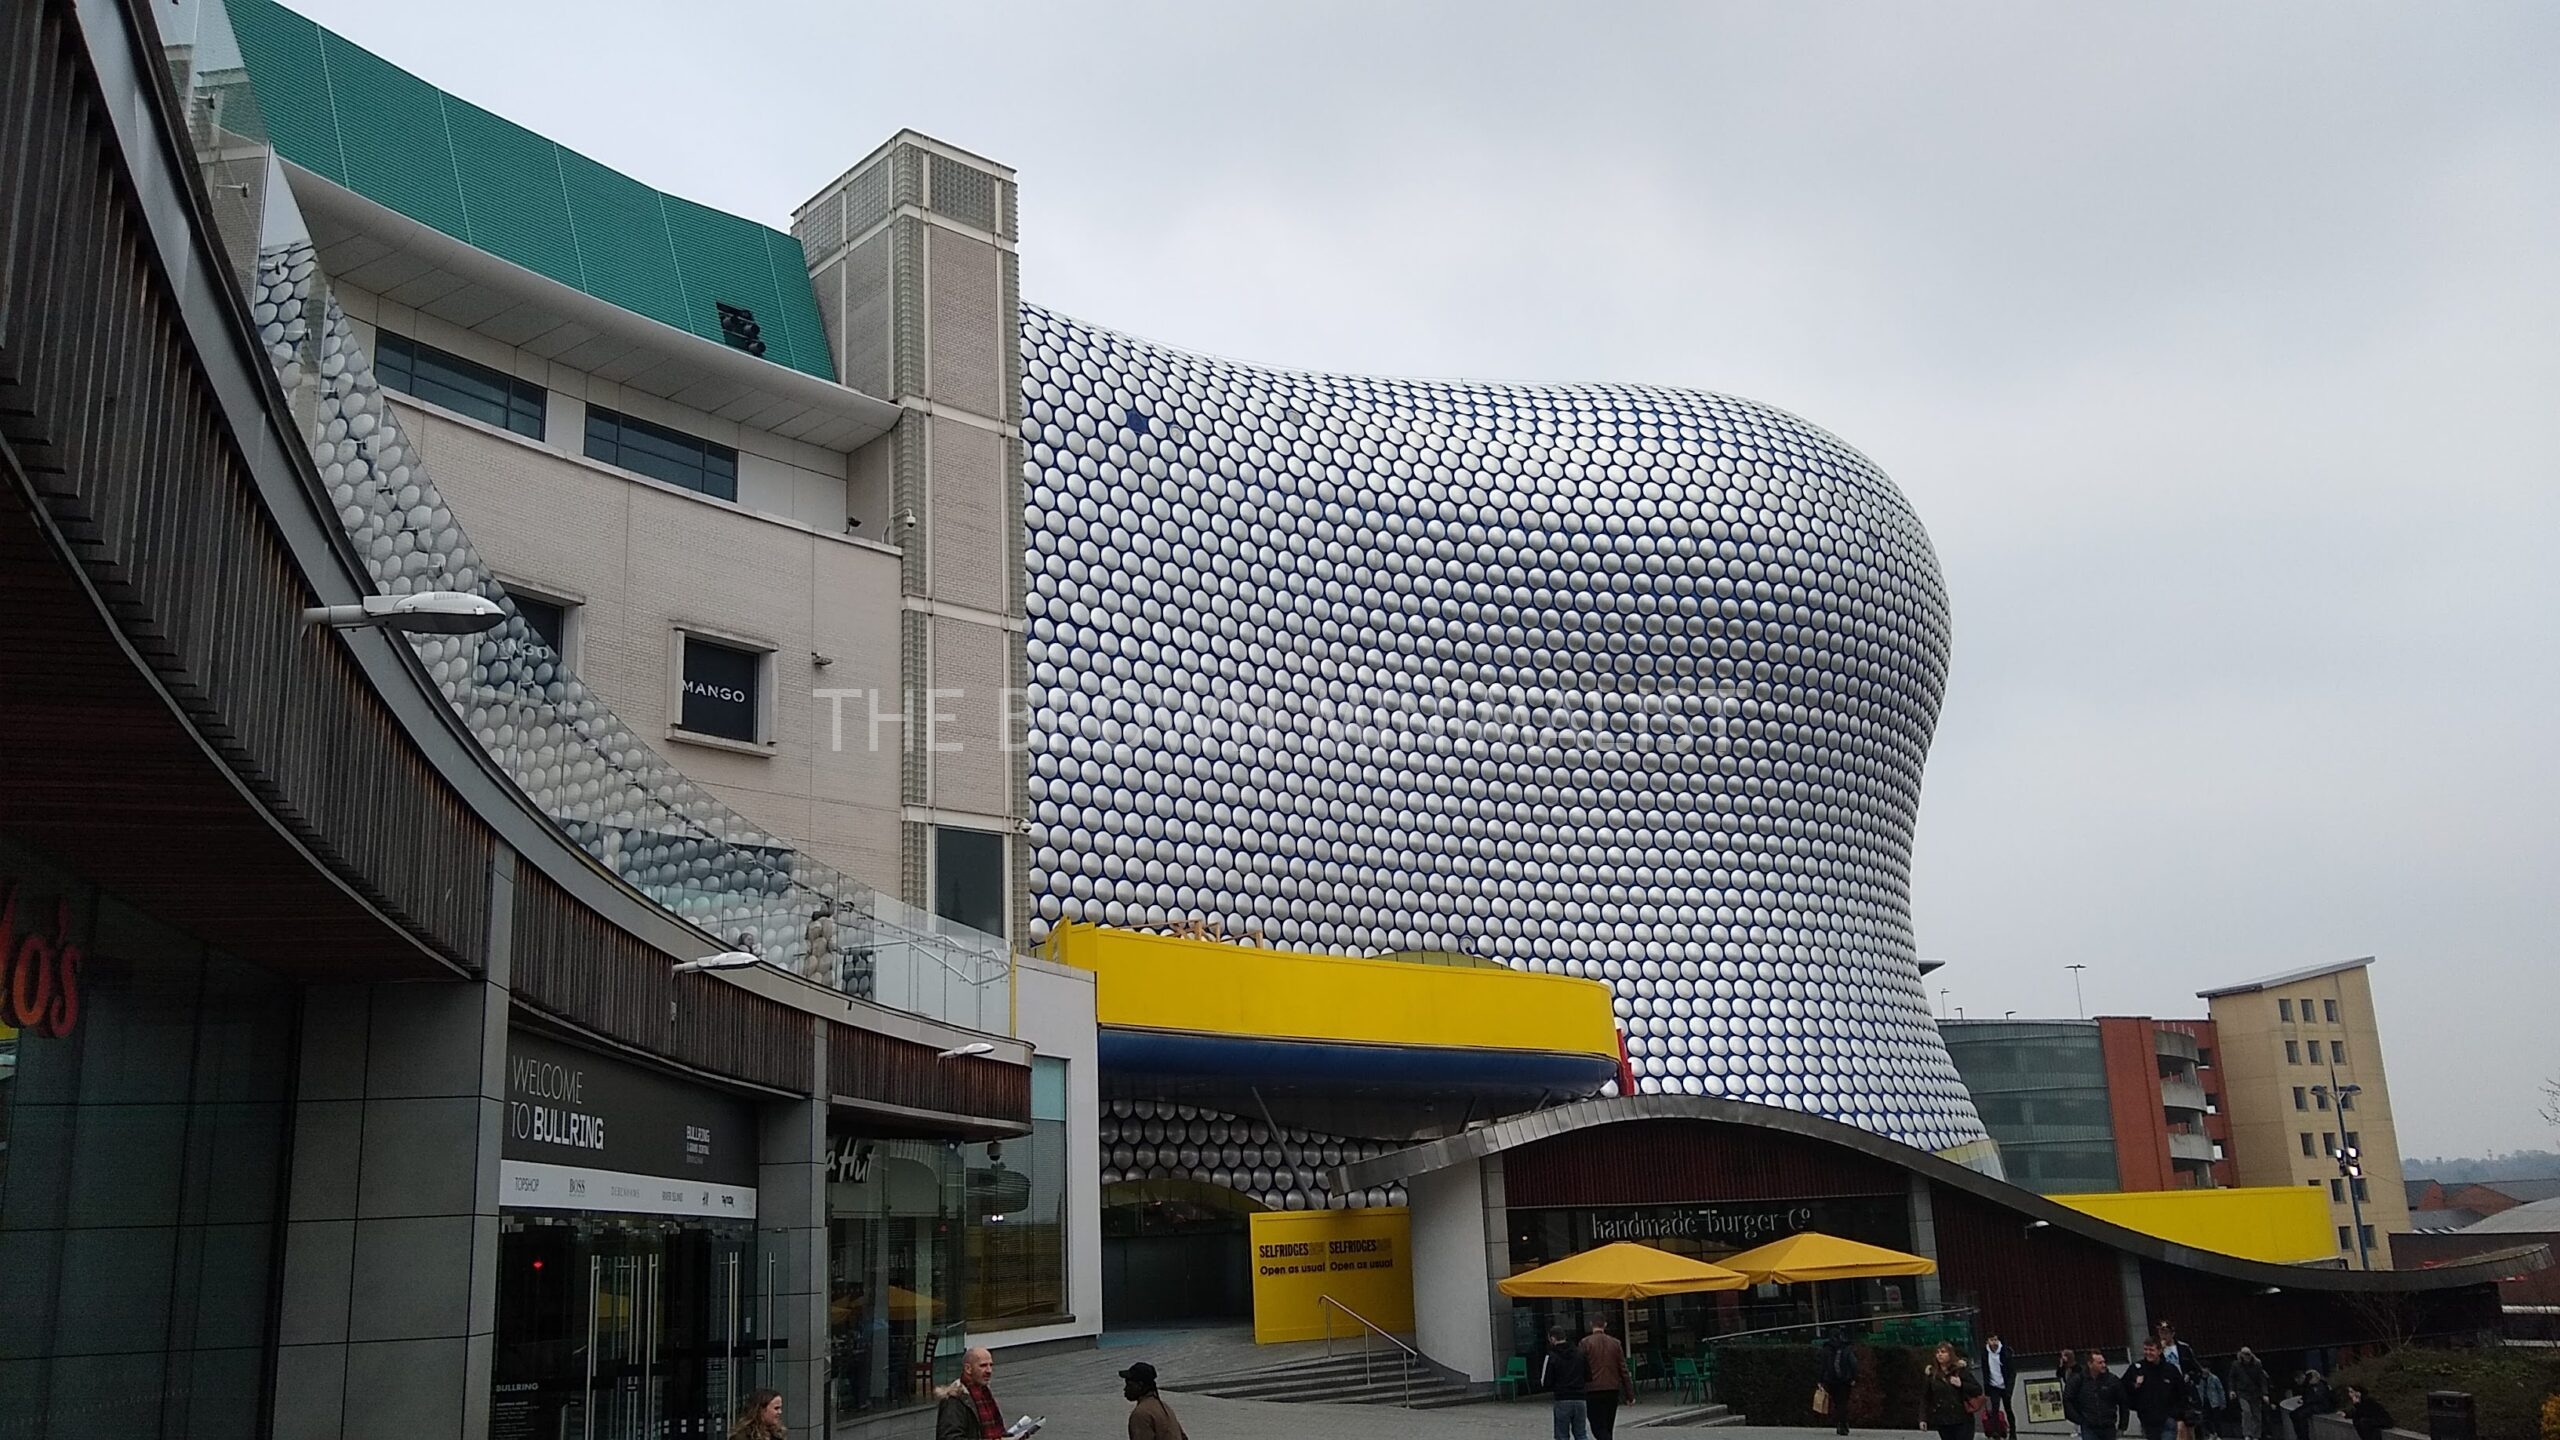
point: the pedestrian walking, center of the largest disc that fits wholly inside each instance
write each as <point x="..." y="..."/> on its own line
<point x="2181" y="1357"/>
<point x="2155" y="1392"/>
<point x="1149" y="1417"/>
<point x="1566" y="1377"/>
<point x="969" y="1410"/>
<point x="1949" y="1394"/>
<point x="1997" y="1418"/>
<point x="1609" y="1382"/>
<point x="2093" y="1400"/>
<point x="2249" y="1393"/>
<point x="2366" y="1414"/>
<point x="1839" y="1377"/>
<point x="760" y="1418"/>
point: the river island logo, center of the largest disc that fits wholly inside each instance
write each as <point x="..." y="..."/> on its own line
<point x="39" y="973"/>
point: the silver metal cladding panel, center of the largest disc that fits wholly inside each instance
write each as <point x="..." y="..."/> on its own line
<point x="1612" y="681"/>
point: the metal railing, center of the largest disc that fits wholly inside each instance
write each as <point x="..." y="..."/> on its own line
<point x="1369" y="1334"/>
<point x="1859" y="1322"/>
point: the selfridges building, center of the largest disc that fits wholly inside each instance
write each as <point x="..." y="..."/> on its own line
<point x="1614" y="681"/>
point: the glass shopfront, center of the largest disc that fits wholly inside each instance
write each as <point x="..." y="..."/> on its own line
<point x="897" y="1320"/>
<point x="144" y="1089"/>
<point x="634" y="1288"/>
<point x="1682" y="1326"/>
<point x="1015" y="1226"/>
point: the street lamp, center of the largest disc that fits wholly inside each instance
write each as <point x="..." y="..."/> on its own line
<point x="725" y="960"/>
<point x="2079" y="1001"/>
<point x="965" y="1052"/>
<point x="428" y="612"/>
<point x="2350" y="1158"/>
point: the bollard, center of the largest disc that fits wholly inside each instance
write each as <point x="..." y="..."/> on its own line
<point x="2451" y="1415"/>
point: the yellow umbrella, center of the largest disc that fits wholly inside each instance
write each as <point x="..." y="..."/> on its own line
<point x="1624" y="1271"/>
<point x="1814" y="1256"/>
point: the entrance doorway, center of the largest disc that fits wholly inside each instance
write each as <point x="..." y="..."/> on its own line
<point x="627" y="1327"/>
<point x="1175" y="1252"/>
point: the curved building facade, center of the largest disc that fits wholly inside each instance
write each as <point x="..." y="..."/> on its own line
<point x="1612" y="681"/>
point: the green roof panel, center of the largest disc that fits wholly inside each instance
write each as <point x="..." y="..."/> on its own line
<point x="511" y="190"/>
<point x="344" y="113"/>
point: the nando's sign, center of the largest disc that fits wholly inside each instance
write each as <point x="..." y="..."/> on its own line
<point x="39" y="963"/>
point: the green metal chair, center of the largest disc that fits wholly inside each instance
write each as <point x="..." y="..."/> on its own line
<point x="1514" y="1379"/>
<point x="1687" y="1379"/>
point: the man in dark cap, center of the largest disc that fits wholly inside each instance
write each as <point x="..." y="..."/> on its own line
<point x="1149" y="1417"/>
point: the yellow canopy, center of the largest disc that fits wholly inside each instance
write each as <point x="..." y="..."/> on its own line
<point x="1624" y="1271"/>
<point x="1816" y="1256"/>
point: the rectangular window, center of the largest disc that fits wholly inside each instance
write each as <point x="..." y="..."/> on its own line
<point x="465" y="387"/>
<point x="2284" y="1010"/>
<point x="2306" y="1148"/>
<point x="2338" y="1192"/>
<point x="969" y="878"/>
<point x="2320" y="1096"/>
<point x="2301" y="1098"/>
<point x="2346" y="1238"/>
<point x="2293" y="1052"/>
<point x="2354" y="1143"/>
<point x="2218" y="1151"/>
<point x="2204" y="1059"/>
<point x="2328" y="1143"/>
<point x="2338" y="1051"/>
<point x="662" y="454"/>
<point x="2362" y="1194"/>
<point x="2366" y="1232"/>
<point x="723" y="690"/>
<point x="2330" y="1009"/>
<point x="2309" y="1015"/>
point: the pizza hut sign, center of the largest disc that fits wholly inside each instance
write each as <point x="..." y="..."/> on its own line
<point x="39" y="965"/>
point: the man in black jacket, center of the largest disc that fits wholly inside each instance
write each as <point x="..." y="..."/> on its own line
<point x="2156" y="1391"/>
<point x="1566" y="1377"/>
<point x="2093" y="1400"/>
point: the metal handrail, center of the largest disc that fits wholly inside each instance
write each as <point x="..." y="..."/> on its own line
<point x="1326" y="1304"/>
<point x="1841" y="1324"/>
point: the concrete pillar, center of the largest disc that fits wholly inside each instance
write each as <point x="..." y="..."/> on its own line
<point x="791" y="1226"/>
<point x="1930" y="1293"/>
<point x="2137" y="1309"/>
<point x="1449" y="1279"/>
<point x="1497" y="1254"/>
<point x="389" y="1287"/>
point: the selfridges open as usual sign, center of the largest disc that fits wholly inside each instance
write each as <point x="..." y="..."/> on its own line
<point x="585" y="1132"/>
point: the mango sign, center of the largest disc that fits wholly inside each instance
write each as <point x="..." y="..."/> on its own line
<point x="1362" y="1259"/>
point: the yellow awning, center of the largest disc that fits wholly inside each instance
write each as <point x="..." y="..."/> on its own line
<point x="1624" y="1271"/>
<point x="1816" y="1256"/>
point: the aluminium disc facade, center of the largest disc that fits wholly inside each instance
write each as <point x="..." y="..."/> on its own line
<point x="1613" y="681"/>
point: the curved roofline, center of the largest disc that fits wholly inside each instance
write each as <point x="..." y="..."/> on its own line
<point x="1511" y="1134"/>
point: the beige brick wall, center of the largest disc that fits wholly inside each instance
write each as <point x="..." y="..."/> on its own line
<point x="966" y="288"/>
<point x="646" y="559"/>
<point x="968" y="495"/>
<point x="973" y="661"/>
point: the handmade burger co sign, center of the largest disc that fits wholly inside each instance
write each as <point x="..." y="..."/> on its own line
<point x="587" y="1132"/>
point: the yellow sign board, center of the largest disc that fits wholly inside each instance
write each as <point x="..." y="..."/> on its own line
<point x="1360" y="1259"/>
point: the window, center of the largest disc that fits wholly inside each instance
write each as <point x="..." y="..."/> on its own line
<point x="2329" y="1008"/>
<point x="2293" y="1052"/>
<point x="2362" y="1194"/>
<point x="553" y="622"/>
<point x="2204" y="1058"/>
<point x="661" y="453"/>
<point x="2365" y="1234"/>
<point x="2337" y="1192"/>
<point x="2354" y="1143"/>
<point x="969" y="880"/>
<point x="723" y="690"/>
<point x="2320" y="1096"/>
<point x="2306" y="1148"/>
<point x="2338" y="1051"/>
<point x="2346" y="1238"/>
<point x="1015" y="1231"/>
<point x="2301" y="1098"/>
<point x="2328" y="1143"/>
<point x="2308" y="1013"/>
<point x="465" y="387"/>
<point x="2218" y="1151"/>
<point x="2284" y="1010"/>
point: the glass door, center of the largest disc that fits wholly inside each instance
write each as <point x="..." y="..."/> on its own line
<point x="624" y="1327"/>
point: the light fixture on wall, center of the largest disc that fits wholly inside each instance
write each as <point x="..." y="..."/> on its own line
<point x="427" y="612"/>
<point x="821" y="661"/>
<point x="907" y="518"/>
<point x="964" y="1052"/>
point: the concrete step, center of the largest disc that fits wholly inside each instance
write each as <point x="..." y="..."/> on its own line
<point x="1339" y="1380"/>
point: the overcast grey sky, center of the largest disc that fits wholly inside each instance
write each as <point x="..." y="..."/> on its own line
<point x="2215" y="344"/>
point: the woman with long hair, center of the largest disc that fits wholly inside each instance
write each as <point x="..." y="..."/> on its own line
<point x="760" y="1418"/>
<point x="1949" y="1395"/>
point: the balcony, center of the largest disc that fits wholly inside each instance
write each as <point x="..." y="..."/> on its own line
<point x="2182" y="1096"/>
<point x="2175" y="1045"/>
<point x="2190" y="1149"/>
